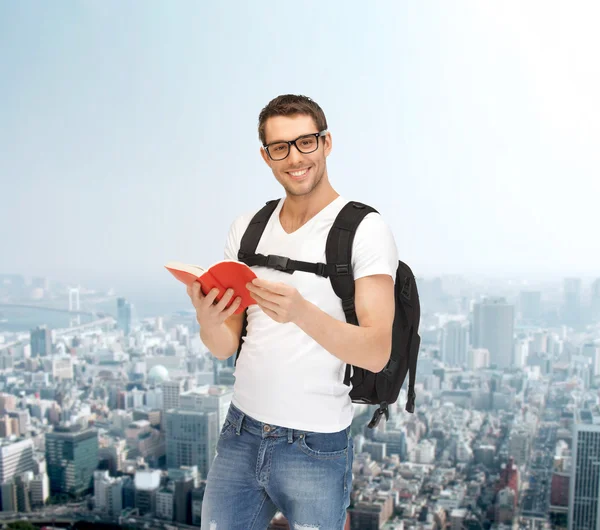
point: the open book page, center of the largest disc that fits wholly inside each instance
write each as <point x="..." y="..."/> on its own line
<point x="186" y="267"/>
<point x="185" y="272"/>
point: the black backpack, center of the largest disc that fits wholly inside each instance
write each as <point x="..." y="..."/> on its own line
<point x="370" y="388"/>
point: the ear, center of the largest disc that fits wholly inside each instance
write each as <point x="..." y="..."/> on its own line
<point x="327" y="143"/>
<point x="265" y="156"/>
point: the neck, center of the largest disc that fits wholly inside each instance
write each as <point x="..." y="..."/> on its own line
<point x="297" y="210"/>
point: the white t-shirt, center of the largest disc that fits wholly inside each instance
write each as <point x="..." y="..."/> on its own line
<point x="283" y="376"/>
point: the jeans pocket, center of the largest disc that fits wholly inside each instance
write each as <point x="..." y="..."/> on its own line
<point x="228" y="429"/>
<point x="324" y="445"/>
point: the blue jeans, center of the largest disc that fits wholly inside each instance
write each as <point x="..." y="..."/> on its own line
<point x="261" y="468"/>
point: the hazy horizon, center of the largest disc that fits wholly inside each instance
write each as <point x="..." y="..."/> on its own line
<point x="129" y="136"/>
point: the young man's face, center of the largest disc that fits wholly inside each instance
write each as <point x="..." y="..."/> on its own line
<point x="299" y="173"/>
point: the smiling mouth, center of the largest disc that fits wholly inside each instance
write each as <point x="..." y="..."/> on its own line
<point x="300" y="174"/>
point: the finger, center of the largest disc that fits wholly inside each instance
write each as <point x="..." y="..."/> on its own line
<point x="271" y="306"/>
<point x="274" y="287"/>
<point x="270" y="313"/>
<point x="257" y="297"/>
<point x="233" y="307"/>
<point x="222" y="304"/>
<point x="210" y="298"/>
<point x="196" y="292"/>
<point x="268" y="295"/>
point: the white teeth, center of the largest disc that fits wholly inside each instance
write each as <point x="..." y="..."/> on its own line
<point x="298" y="173"/>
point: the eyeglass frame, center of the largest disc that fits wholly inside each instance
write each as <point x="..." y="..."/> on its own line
<point x="293" y="142"/>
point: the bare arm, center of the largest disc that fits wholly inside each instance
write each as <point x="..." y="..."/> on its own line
<point x="366" y="346"/>
<point x="220" y="327"/>
<point x="223" y="340"/>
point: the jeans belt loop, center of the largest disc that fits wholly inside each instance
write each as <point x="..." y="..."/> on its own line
<point x="238" y="428"/>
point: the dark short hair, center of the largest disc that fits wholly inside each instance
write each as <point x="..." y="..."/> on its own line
<point x="289" y="105"/>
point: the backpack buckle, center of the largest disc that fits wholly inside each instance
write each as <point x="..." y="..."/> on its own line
<point x="322" y="270"/>
<point x="381" y="411"/>
<point x="279" y="263"/>
<point x="342" y="268"/>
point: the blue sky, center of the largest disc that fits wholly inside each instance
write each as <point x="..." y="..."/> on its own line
<point x="128" y="134"/>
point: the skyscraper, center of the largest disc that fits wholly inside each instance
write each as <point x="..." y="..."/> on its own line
<point x="16" y="457"/>
<point x="172" y="389"/>
<point x="209" y="398"/>
<point x="595" y="301"/>
<point x="571" y="313"/>
<point x="584" y="494"/>
<point x="71" y="457"/>
<point x="41" y="341"/>
<point x="591" y="352"/>
<point x="493" y="329"/>
<point x="455" y="343"/>
<point x="124" y="315"/>
<point x="191" y="439"/>
<point x="530" y="306"/>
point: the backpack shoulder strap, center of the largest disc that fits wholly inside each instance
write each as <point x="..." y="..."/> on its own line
<point x="338" y="253"/>
<point x="248" y="245"/>
<point x="255" y="229"/>
<point x="247" y="252"/>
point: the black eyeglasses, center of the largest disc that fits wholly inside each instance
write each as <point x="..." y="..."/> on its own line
<point x="306" y="143"/>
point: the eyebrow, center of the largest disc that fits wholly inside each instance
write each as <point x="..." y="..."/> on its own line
<point x="303" y="134"/>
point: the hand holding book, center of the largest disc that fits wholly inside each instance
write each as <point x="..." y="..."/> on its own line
<point x="222" y="276"/>
<point x="211" y="313"/>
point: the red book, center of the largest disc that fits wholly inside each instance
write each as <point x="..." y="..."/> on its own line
<point x="222" y="275"/>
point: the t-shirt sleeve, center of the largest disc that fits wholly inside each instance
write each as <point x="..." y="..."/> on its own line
<point x="374" y="250"/>
<point x="234" y="236"/>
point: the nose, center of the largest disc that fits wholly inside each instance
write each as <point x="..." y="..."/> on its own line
<point x="295" y="156"/>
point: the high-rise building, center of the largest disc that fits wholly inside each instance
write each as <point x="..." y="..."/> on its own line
<point x="493" y="329"/>
<point x="371" y="512"/>
<point x="530" y="306"/>
<point x="571" y="312"/>
<point x="16" y="457"/>
<point x="182" y="496"/>
<point x="41" y="341"/>
<point x="147" y="484"/>
<point x="208" y="398"/>
<point x="8" y="496"/>
<point x="8" y="402"/>
<point x="39" y="487"/>
<point x="124" y="315"/>
<point x="591" y="352"/>
<point x="171" y="390"/>
<point x="559" y="489"/>
<point x="191" y="438"/>
<point x="165" y="503"/>
<point x="584" y="494"/>
<point x="22" y="421"/>
<point x="455" y="343"/>
<point x="521" y="353"/>
<point x="72" y="458"/>
<point x="595" y="301"/>
<point x="60" y="367"/>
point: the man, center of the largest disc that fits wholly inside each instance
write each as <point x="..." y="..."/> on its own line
<point x="285" y="444"/>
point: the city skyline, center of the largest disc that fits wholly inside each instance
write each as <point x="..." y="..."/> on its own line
<point x="129" y="139"/>
<point x="490" y="443"/>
